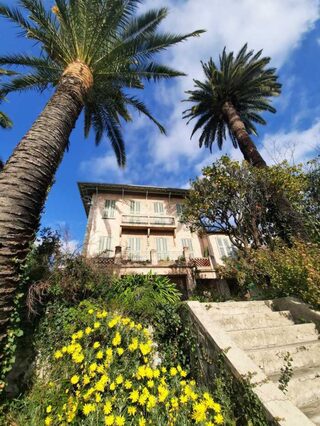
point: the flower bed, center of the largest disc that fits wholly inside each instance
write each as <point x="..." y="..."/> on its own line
<point x="106" y="374"/>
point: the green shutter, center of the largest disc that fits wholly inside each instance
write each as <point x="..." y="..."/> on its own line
<point x="105" y="245"/>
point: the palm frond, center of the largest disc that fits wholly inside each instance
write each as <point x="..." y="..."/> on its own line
<point x="245" y="81"/>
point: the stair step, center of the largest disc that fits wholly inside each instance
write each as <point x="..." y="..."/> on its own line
<point x="274" y="336"/>
<point x="252" y="320"/>
<point x="306" y="354"/>
<point x="313" y="412"/>
<point x="239" y="307"/>
<point x="304" y="386"/>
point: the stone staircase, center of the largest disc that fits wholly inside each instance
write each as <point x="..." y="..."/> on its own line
<point x="267" y="336"/>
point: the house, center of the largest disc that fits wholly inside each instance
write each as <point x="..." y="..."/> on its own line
<point x="137" y="229"/>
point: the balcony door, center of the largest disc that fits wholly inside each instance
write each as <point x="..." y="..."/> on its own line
<point x="162" y="248"/>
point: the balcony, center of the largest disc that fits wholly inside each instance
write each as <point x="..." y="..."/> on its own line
<point x="139" y="221"/>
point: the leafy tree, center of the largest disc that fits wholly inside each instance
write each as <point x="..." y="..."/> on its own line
<point x="232" y="97"/>
<point x="92" y="52"/>
<point x="239" y="200"/>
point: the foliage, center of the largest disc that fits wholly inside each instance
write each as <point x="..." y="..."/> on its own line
<point x="286" y="373"/>
<point x="5" y="122"/>
<point x="242" y="201"/>
<point x="105" y="374"/>
<point x="109" y="38"/>
<point x="245" y="82"/>
<point x="283" y="271"/>
<point x="143" y="295"/>
<point x="312" y="198"/>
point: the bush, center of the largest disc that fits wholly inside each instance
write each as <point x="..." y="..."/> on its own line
<point x="283" y="271"/>
<point x="143" y="295"/>
<point x="104" y="373"/>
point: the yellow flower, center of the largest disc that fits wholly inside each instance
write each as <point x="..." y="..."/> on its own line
<point x="49" y="409"/>
<point x="99" y="355"/>
<point x="150" y="383"/>
<point x="88" y="330"/>
<point x="173" y="371"/>
<point x="58" y="354"/>
<point x="120" y="420"/>
<point x="116" y="341"/>
<point x="183" y="373"/>
<point x="88" y="408"/>
<point x="145" y="348"/>
<point x="98" y="397"/>
<point x="86" y="379"/>
<point x="174" y="402"/>
<point x="152" y="401"/>
<point x="109" y="420"/>
<point x="90" y="311"/>
<point x="142" y="421"/>
<point x="112" y="323"/>
<point x="119" y="379"/>
<point x="128" y="384"/>
<point x="120" y="351"/>
<point x="78" y="357"/>
<point x="107" y="407"/>
<point x="199" y="412"/>
<point x="96" y="325"/>
<point x="156" y="373"/>
<point x="134" y="396"/>
<point x="109" y="352"/>
<point x="139" y="327"/>
<point x="74" y="379"/>
<point x="183" y="399"/>
<point x="216" y="407"/>
<point x="218" y="419"/>
<point x="96" y="345"/>
<point x="92" y="367"/>
<point x="112" y="386"/>
<point x="48" y="421"/>
<point x="132" y="410"/>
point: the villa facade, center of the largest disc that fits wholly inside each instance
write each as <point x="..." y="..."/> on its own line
<point x="137" y="229"/>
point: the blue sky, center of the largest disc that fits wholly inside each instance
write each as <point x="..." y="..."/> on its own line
<point x="287" y="30"/>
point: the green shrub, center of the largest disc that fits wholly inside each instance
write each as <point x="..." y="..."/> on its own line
<point x="283" y="271"/>
<point x="143" y="295"/>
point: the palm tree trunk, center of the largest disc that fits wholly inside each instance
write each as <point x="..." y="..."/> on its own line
<point x="246" y="145"/>
<point x="289" y="218"/>
<point x="27" y="176"/>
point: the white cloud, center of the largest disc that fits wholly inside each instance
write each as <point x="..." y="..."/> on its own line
<point x="100" y="167"/>
<point x="295" y="145"/>
<point x="276" y="26"/>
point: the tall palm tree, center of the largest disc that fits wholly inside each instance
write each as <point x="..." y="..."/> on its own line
<point x="92" y="52"/>
<point x="231" y="97"/>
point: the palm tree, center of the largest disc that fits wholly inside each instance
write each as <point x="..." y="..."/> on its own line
<point x="231" y="97"/>
<point x="5" y="122"/>
<point x="92" y="52"/>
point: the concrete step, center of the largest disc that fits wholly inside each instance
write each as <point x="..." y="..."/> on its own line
<point x="313" y="412"/>
<point x="274" y="336"/>
<point x="238" y="307"/>
<point x="306" y="354"/>
<point x="304" y="386"/>
<point x="252" y="320"/>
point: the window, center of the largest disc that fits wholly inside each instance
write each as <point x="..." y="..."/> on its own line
<point x="225" y="247"/>
<point x="162" y="249"/>
<point x="134" y="248"/>
<point x="109" y="209"/>
<point x="158" y="208"/>
<point x="187" y="242"/>
<point x="179" y="209"/>
<point x="134" y="207"/>
<point x="105" y="246"/>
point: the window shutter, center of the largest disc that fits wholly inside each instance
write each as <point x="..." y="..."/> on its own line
<point x="179" y="209"/>
<point x="134" y="207"/>
<point x="158" y="208"/>
<point x="105" y="245"/>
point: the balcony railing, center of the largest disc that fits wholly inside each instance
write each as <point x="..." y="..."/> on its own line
<point x="148" y="220"/>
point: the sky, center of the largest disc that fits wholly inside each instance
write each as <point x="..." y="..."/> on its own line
<point x="287" y="30"/>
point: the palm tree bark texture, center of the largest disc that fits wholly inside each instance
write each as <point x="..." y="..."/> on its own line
<point x="27" y="176"/>
<point x="246" y="145"/>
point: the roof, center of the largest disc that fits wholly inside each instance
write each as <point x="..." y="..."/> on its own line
<point x="87" y="189"/>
